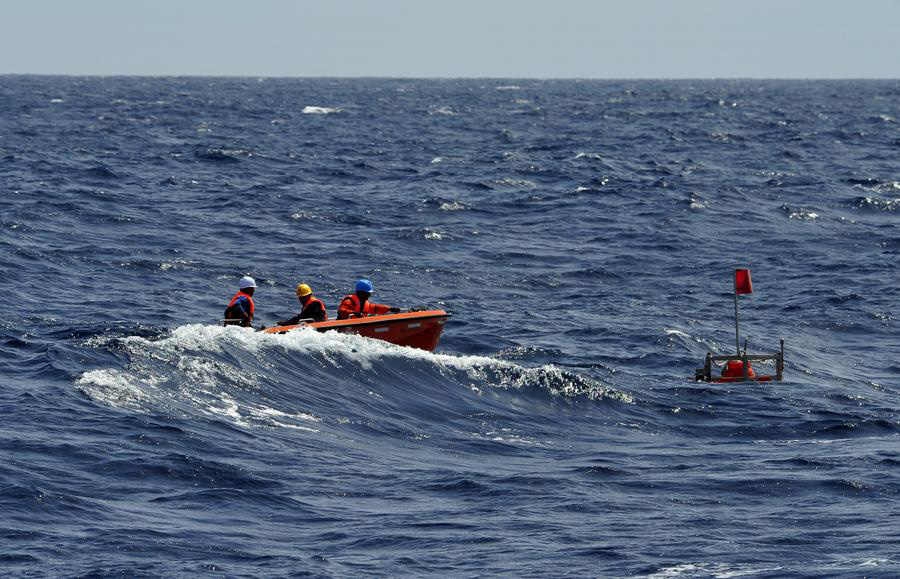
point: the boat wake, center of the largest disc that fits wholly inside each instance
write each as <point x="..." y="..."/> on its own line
<point x="308" y="380"/>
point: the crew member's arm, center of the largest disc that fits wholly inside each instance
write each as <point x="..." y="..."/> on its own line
<point x="379" y="309"/>
<point x="291" y="321"/>
<point x="243" y="311"/>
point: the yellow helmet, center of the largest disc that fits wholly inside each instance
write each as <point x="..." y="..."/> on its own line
<point x="303" y="290"/>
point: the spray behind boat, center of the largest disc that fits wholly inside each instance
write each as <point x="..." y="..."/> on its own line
<point x="737" y="367"/>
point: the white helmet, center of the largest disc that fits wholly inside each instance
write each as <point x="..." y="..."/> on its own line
<point x="246" y="282"/>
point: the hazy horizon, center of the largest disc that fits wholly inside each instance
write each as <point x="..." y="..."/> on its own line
<point x="501" y="39"/>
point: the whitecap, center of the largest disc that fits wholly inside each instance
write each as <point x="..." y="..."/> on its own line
<point x="677" y="333"/>
<point x="217" y="371"/>
<point x="510" y="182"/>
<point x="696" y="204"/>
<point x="717" y="570"/>
<point x="184" y="264"/>
<point x="302" y="216"/>
<point x="484" y="370"/>
<point x="445" y="110"/>
<point x="116" y="388"/>
<point x="799" y="214"/>
<point x="314" y="110"/>
<point x="804" y="215"/>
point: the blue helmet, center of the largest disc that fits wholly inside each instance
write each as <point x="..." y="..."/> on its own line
<point x="364" y="285"/>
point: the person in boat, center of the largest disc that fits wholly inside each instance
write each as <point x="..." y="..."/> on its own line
<point x="357" y="305"/>
<point x="312" y="307"/>
<point x="239" y="311"/>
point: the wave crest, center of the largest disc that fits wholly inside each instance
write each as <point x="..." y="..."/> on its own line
<point x="292" y="380"/>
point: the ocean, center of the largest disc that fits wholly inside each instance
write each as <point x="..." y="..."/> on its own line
<point x="583" y="235"/>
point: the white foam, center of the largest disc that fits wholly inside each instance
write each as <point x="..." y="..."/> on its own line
<point x="445" y="110"/>
<point x="177" y="264"/>
<point x="804" y="215"/>
<point x="506" y="436"/>
<point x="718" y="570"/>
<point x="678" y="333"/>
<point x="875" y="562"/>
<point x="279" y="419"/>
<point x="314" y="110"/>
<point x="510" y="182"/>
<point x="229" y="409"/>
<point x="116" y="388"/>
<point x="480" y="369"/>
<point x="211" y="384"/>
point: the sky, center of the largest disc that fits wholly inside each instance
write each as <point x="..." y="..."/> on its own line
<point x="454" y="38"/>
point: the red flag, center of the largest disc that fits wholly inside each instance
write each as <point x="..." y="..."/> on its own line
<point x="742" y="283"/>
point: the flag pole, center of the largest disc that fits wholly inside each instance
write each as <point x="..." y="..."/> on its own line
<point x="737" y="333"/>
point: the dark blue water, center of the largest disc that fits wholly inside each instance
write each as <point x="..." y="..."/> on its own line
<point x="583" y="236"/>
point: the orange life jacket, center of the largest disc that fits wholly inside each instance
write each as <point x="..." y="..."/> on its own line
<point x="351" y="305"/>
<point x="235" y="299"/>
<point x="310" y="302"/>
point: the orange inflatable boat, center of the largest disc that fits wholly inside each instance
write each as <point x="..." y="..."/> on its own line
<point x="419" y="329"/>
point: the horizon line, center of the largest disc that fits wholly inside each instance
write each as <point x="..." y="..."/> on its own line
<point x="492" y="78"/>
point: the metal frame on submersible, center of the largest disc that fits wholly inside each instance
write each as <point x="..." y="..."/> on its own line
<point x="705" y="373"/>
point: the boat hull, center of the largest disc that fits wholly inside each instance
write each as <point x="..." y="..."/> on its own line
<point x="414" y="329"/>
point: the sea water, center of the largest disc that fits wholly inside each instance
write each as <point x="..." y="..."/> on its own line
<point x="583" y="235"/>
